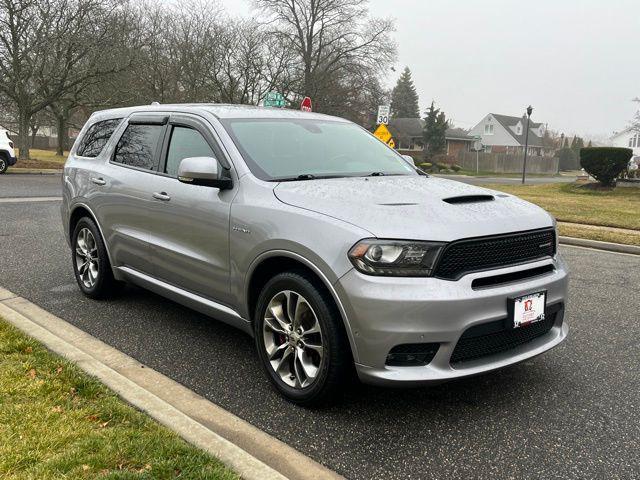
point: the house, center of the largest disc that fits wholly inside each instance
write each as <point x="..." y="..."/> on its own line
<point x="628" y="138"/>
<point x="407" y="133"/>
<point x="507" y="134"/>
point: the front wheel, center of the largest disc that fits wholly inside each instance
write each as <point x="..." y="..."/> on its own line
<point x="90" y="261"/>
<point x="300" y="339"/>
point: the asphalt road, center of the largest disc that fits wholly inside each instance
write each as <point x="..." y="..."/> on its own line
<point x="571" y="413"/>
<point x="27" y="185"/>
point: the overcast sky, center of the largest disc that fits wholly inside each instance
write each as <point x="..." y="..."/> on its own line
<point x="576" y="61"/>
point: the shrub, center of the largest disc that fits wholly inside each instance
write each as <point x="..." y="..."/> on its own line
<point x="456" y="168"/>
<point x="441" y="166"/>
<point x="605" y="163"/>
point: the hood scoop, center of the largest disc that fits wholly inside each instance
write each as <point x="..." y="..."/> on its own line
<point x="468" y="199"/>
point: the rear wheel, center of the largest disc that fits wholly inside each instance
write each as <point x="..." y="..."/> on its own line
<point x="90" y="261"/>
<point x="3" y="164"/>
<point x="300" y="339"/>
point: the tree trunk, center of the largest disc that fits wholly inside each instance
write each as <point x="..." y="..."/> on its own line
<point x="34" y="132"/>
<point x="63" y="141"/>
<point x="24" y="124"/>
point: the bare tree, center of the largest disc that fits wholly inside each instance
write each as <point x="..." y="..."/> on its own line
<point x="335" y="42"/>
<point x="635" y="123"/>
<point x="51" y="47"/>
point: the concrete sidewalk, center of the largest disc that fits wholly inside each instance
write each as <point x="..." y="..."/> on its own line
<point x="252" y="453"/>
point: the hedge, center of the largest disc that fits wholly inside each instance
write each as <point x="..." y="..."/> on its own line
<point x="605" y="163"/>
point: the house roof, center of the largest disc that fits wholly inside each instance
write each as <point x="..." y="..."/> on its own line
<point x="412" y="128"/>
<point x="406" y="127"/>
<point x="508" y="121"/>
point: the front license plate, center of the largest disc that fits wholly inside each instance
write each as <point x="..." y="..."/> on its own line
<point x="528" y="309"/>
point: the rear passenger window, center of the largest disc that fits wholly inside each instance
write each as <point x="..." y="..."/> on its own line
<point x="185" y="143"/>
<point x="97" y="137"/>
<point x="138" y="146"/>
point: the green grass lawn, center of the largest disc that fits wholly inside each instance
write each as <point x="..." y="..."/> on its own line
<point x="45" y="159"/>
<point x="57" y="422"/>
<point x="472" y="173"/>
<point x="575" y="203"/>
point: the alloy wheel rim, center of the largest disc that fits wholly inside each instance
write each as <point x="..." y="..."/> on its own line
<point x="87" y="263"/>
<point x="2" y="164"/>
<point x="293" y="339"/>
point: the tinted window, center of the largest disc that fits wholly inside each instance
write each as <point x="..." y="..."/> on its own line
<point x="185" y="143"/>
<point x="286" y="148"/>
<point x="138" y="146"/>
<point x="97" y="137"/>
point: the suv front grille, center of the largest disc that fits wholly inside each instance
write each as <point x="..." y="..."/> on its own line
<point x="485" y="253"/>
<point x="493" y="337"/>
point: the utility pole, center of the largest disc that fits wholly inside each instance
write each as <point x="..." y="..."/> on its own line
<point x="526" y="144"/>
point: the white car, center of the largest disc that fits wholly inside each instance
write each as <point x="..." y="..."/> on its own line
<point x="7" y="154"/>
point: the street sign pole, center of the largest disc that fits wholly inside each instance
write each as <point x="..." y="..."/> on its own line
<point x="477" y="145"/>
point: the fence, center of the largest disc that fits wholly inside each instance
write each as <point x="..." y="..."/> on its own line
<point x="507" y="163"/>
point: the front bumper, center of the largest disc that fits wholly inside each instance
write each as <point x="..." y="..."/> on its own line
<point x="383" y="312"/>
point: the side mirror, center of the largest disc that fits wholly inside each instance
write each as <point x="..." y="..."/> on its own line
<point x="203" y="171"/>
<point x="409" y="159"/>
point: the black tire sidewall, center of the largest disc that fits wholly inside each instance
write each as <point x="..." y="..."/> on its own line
<point x="103" y="282"/>
<point x="332" y="368"/>
<point x="4" y="165"/>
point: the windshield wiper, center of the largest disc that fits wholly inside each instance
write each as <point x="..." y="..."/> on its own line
<point x="376" y="174"/>
<point x="305" y="176"/>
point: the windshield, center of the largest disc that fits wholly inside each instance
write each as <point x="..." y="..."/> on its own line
<point x="285" y="149"/>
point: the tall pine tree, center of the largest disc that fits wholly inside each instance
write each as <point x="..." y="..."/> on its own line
<point x="434" y="132"/>
<point x="404" y="98"/>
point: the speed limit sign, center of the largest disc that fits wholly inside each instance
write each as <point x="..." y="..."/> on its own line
<point x="384" y="112"/>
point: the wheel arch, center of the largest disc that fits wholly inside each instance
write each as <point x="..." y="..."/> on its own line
<point x="79" y="211"/>
<point x="273" y="262"/>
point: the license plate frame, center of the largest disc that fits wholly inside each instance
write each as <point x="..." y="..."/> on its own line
<point x="518" y="314"/>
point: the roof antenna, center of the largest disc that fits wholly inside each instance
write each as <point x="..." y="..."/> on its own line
<point x="155" y="103"/>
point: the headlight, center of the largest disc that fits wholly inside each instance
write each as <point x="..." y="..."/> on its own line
<point x="395" y="258"/>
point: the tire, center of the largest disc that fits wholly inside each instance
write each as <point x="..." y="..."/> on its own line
<point x="3" y="164"/>
<point x="332" y="367"/>
<point x="96" y="281"/>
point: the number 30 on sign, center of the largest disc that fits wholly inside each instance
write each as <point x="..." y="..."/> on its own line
<point x="384" y="112"/>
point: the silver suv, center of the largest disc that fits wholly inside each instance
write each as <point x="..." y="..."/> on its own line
<point x="332" y="250"/>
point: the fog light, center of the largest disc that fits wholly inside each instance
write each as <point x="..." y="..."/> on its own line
<point x="412" y="354"/>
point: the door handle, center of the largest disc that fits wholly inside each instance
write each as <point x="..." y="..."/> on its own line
<point x="161" y="196"/>
<point x="98" y="181"/>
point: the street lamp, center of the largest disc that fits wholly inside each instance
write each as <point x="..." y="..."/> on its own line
<point x="526" y="143"/>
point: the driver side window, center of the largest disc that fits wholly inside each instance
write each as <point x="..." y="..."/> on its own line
<point x="185" y="142"/>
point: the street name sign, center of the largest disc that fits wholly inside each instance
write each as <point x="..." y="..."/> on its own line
<point x="274" y="99"/>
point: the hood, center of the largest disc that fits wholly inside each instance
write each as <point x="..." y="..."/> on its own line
<point x="415" y="208"/>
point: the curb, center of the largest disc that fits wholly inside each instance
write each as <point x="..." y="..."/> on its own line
<point x="249" y="451"/>
<point x="33" y="171"/>
<point x="598" y="245"/>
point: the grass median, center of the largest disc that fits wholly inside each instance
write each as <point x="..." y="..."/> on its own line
<point x="580" y="204"/>
<point x="41" y="159"/>
<point x="58" y="422"/>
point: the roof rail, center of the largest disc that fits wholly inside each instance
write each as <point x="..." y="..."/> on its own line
<point x="155" y="103"/>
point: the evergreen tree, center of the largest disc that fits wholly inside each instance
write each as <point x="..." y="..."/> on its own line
<point x="577" y="144"/>
<point x="434" y="132"/>
<point x="404" y="98"/>
<point x="590" y="144"/>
